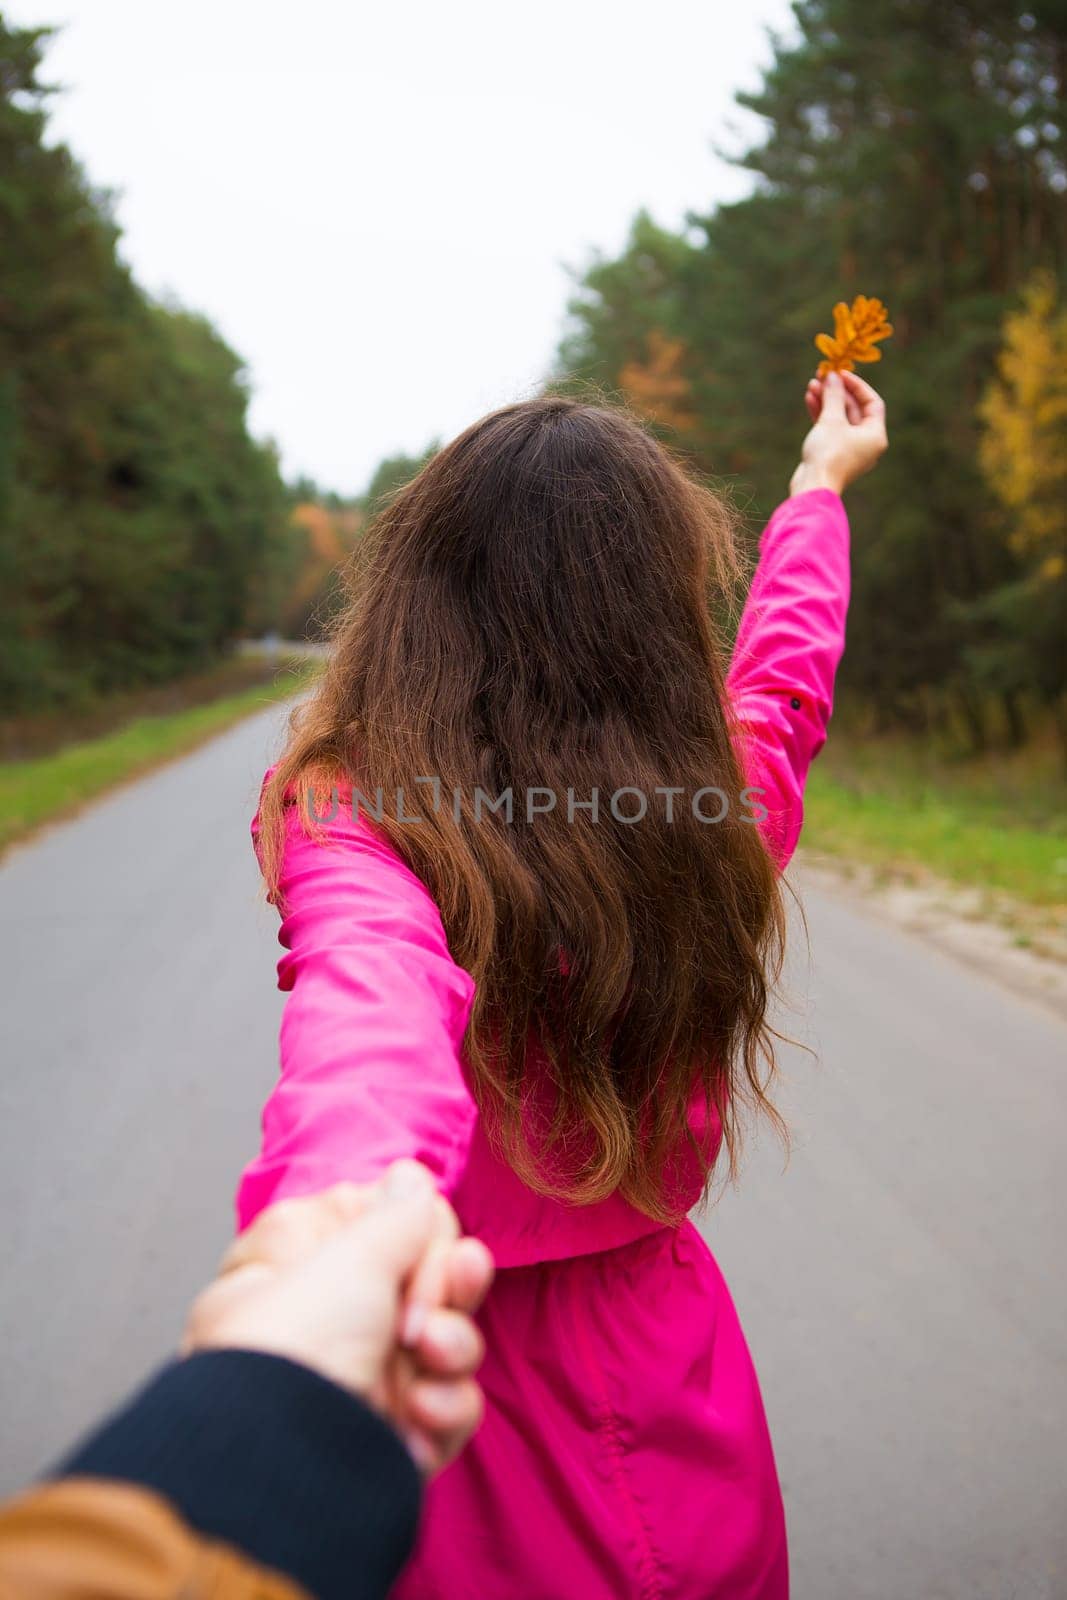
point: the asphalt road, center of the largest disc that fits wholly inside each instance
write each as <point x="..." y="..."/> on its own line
<point x="902" y="1280"/>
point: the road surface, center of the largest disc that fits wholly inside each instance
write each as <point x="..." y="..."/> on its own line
<point x="902" y="1280"/>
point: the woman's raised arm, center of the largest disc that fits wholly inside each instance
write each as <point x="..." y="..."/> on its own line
<point x="792" y="634"/>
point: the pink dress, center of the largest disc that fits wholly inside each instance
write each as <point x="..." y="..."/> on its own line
<point x="625" y="1453"/>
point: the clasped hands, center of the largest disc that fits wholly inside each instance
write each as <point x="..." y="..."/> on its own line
<point x="373" y="1287"/>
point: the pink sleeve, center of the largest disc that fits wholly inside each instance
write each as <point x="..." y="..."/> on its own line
<point x="792" y="635"/>
<point x="372" y="1030"/>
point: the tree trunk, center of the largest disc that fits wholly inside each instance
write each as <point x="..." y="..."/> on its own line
<point x="974" y="720"/>
<point x="1014" y="718"/>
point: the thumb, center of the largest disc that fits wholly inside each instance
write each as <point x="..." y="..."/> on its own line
<point x="393" y="1233"/>
<point x="833" y="398"/>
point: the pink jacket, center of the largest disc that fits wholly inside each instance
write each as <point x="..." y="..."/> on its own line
<point x="371" y="1036"/>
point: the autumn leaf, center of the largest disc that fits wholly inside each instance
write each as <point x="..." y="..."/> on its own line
<point x="857" y="331"/>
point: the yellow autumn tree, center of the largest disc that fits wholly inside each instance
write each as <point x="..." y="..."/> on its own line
<point x="658" y="387"/>
<point x="1023" y="449"/>
<point x="326" y="538"/>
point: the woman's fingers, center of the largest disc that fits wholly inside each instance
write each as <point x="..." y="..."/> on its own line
<point x="860" y="391"/>
<point x="455" y="1273"/>
<point x="813" y="398"/>
<point x="429" y="1283"/>
<point x="833" y="397"/>
<point x="449" y="1346"/>
<point x="861" y="401"/>
<point x="427" y="1290"/>
<point x="872" y="415"/>
<point x="441" y="1416"/>
<point x="445" y="1405"/>
<point x="470" y="1272"/>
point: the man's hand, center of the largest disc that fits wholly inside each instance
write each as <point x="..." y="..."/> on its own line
<point x="848" y="436"/>
<point x="325" y="1281"/>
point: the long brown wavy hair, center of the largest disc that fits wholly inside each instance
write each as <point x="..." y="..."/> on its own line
<point x="539" y="608"/>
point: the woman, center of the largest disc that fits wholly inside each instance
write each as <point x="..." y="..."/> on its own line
<point x="558" y="1003"/>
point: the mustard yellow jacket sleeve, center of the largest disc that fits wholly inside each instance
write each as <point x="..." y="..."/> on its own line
<point x="231" y="1475"/>
<point x="85" y="1538"/>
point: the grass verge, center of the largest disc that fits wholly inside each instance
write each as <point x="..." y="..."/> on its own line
<point x="998" y="826"/>
<point x="46" y="788"/>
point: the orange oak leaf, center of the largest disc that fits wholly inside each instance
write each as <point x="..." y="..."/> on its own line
<point x="857" y="331"/>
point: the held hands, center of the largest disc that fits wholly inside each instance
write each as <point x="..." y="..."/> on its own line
<point x="373" y="1288"/>
<point x="848" y="435"/>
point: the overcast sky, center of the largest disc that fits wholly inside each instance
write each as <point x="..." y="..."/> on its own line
<point x="376" y="204"/>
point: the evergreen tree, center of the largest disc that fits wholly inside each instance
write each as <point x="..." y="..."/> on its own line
<point x="913" y="150"/>
<point x="136" y="513"/>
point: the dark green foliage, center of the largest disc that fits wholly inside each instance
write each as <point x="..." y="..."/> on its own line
<point x="138" y="519"/>
<point x="391" y="474"/>
<point x="914" y="150"/>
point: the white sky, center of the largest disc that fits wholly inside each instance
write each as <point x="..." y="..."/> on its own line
<point x="375" y="204"/>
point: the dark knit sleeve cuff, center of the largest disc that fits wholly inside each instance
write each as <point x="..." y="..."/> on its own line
<point x="265" y="1454"/>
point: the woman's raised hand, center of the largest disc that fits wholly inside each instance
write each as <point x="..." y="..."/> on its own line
<point x="848" y="433"/>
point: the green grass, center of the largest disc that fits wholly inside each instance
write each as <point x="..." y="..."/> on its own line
<point x="41" y="790"/>
<point x="997" y="825"/>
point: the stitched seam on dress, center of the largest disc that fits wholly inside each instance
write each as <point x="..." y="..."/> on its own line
<point x="650" y="1576"/>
